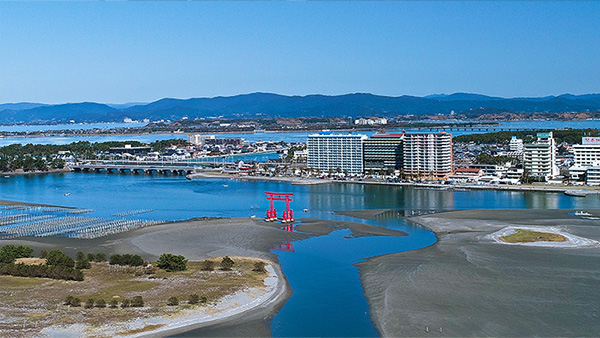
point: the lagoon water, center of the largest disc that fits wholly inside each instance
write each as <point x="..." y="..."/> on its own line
<point x="252" y="137"/>
<point x="327" y="295"/>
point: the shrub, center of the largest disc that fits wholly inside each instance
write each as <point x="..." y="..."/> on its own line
<point x="173" y="301"/>
<point x="126" y="259"/>
<point x="207" y="265"/>
<point x="43" y="254"/>
<point x="58" y="258"/>
<point x="89" y="304"/>
<point x="101" y="303"/>
<point x="227" y="263"/>
<point x="114" y="304"/>
<point x="259" y="267"/>
<point x="91" y="257"/>
<point x="203" y="299"/>
<point x="125" y="303"/>
<point x="41" y="271"/>
<point x="194" y="299"/>
<point x="170" y="262"/>
<point x="100" y="257"/>
<point x="137" y="301"/>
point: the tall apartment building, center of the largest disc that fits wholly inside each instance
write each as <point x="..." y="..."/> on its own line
<point x="428" y="154"/>
<point x="383" y="152"/>
<point x="332" y="151"/>
<point x="539" y="158"/>
<point x="516" y="144"/>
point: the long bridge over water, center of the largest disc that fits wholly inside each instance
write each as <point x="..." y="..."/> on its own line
<point x="139" y="167"/>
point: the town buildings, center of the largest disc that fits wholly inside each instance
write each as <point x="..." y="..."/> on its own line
<point x="428" y="155"/>
<point x="328" y="151"/>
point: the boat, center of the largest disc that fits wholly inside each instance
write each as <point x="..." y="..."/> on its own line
<point x="575" y="193"/>
<point x="305" y="210"/>
<point x="582" y="213"/>
<point x="225" y="185"/>
<point x="68" y="194"/>
<point x="6" y="176"/>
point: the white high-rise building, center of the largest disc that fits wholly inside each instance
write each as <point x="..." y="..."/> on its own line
<point x="328" y="151"/>
<point x="516" y="144"/>
<point x="539" y="158"/>
<point x="428" y="154"/>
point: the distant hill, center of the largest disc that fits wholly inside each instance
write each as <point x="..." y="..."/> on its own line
<point x="274" y="105"/>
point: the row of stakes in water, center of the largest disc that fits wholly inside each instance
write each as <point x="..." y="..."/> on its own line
<point x="272" y="216"/>
<point x="133" y="212"/>
<point x="43" y="225"/>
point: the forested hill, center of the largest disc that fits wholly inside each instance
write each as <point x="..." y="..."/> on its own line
<point x="274" y="105"/>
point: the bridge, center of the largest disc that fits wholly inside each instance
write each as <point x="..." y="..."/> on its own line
<point x="138" y="167"/>
<point x="487" y="129"/>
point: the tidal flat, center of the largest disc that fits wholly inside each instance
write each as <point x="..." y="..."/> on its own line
<point x="470" y="285"/>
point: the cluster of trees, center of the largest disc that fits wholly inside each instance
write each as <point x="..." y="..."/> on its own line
<point x="226" y="264"/>
<point x="126" y="259"/>
<point x="570" y="136"/>
<point x="41" y="271"/>
<point x="9" y="253"/>
<point x="485" y="158"/>
<point x="192" y="299"/>
<point x="136" y="301"/>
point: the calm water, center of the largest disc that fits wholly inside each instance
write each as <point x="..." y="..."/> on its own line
<point x="252" y="137"/>
<point x="327" y="295"/>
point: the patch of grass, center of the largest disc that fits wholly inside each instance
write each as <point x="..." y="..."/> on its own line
<point x="22" y="282"/>
<point x="529" y="236"/>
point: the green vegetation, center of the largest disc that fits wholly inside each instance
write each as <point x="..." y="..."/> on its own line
<point x="571" y="136"/>
<point x="208" y="265"/>
<point x="259" y="267"/>
<point x="126" y="259"/>
<point x="194" y="299"/>
<point x="528" y="236"/>
<point x="41" y="271"/>
<point x="9" y="253"/>
<point x="170" y="262"/>
<point x="227" y="263"/>
<point x="58" y="258"/>
<point x="173" y="301"/>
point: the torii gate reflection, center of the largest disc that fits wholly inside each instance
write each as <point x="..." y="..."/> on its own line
<point x="288" y="214"/>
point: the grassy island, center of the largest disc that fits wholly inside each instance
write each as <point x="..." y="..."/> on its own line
<point x="529" y="236"/>
<point x="113" y="295"/>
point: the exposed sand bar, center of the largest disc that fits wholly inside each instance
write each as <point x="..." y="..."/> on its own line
<point x="468" y="284"/>
<point x="6" y="202"/>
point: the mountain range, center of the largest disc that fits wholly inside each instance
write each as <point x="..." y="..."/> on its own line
<point x="258" y="105"/>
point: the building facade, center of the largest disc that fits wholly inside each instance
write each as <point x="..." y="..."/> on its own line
<point x="539" y="158"/>
<point x="588" y="152"/>
<point x="428" y="155"/>
<point x="328" y="151"/>
<point x="383" y="152"/>
<point x="515" y="144"/>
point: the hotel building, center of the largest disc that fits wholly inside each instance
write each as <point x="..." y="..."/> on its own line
<point x="428" y="154"/>
<point x="383" y="152"/>
<point x="539" y="158"/>
<point x="328" y="151"/>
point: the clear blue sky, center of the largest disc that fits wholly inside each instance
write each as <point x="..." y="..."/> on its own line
<point x="116" y="52"/>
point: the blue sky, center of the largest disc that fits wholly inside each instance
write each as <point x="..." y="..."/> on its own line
<point x="56" y="52"/>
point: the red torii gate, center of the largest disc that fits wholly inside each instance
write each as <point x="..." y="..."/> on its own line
<point x="288" y="214"/>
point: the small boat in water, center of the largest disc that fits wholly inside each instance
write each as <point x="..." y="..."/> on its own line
<point x="68" y="194"/>
<point x="576" y="193"/>
<point x="225" y="185"/>
<point x="582" y="213"/>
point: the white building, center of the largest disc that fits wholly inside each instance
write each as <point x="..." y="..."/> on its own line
<point x="588" y="152"/>
<point x="539" y="158"/>
<point x="370" y="121"/>
<point x="198" y="139"/>
<point x="516" y="145"/>
<point x="428" y="154"/>
<point x="593" y="175"/>
<point x="328" y="151"/>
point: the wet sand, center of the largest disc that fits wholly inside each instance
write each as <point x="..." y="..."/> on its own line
<point x="470" y="285"/>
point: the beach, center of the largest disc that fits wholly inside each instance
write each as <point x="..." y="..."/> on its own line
<point x="468" y="284"/>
